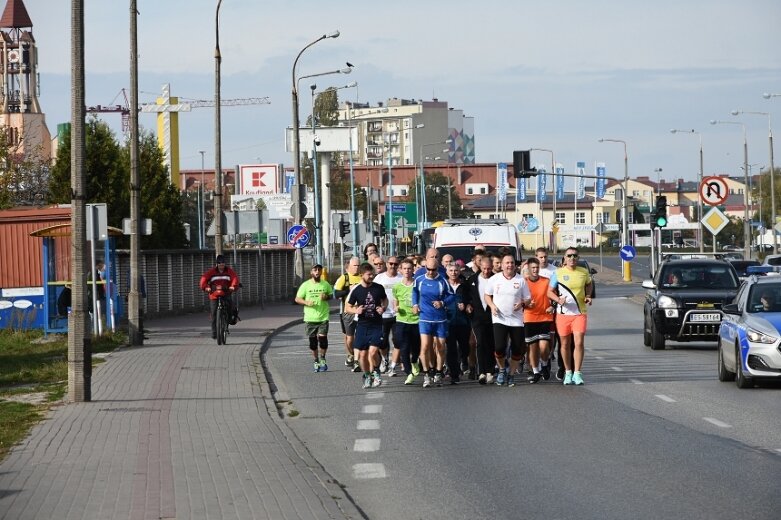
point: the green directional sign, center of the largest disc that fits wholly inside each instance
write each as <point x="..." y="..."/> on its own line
<point x="405" y="215"/>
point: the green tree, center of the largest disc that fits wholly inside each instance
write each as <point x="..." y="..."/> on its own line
<point x="24" y="177"/>
<point x="439" y="205"/>
<point x="108" y="180"/>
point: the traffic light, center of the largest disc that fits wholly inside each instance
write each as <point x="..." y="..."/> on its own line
<point x="382" y="224"/>
<point x="344" y="228"/>
<point x="522" y="165"/>
<point x="661" y="211"/>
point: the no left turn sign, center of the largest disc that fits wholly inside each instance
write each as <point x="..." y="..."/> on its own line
<point x="714" y="191"/>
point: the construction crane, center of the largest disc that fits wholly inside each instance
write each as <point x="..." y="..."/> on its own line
<point x="124" y="110"/>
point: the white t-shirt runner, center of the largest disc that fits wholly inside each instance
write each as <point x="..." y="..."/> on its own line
<point x="388" y="282"/>
<point x="506" y="294"/>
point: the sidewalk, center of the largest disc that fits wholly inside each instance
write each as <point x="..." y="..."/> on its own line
<point x="177" y="428"/>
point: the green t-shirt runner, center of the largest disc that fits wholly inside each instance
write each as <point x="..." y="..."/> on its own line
<point x="403" y="295"/>
<point x="311" y="291"/>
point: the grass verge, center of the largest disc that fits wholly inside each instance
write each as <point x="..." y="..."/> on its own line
<point x="31" y="363"/>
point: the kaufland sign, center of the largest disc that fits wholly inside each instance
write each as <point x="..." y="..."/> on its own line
<point x="259" y="179"/>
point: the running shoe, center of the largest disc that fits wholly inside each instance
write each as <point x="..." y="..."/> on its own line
<point x="356" y="367"/>
<point x="410" y="379"/>
<point x="577" y="378"/>
<point x="367" y="381"/>
<point x="489" y="378"/>
<point x="472" y="373"/>
<point x="426" y="381"/>
<point x="568" y="377"/>
<point x="392" y="371"/>
<point x="323" y="365"/>
<point x="535" y="378"/>
<point x="383" y="365"/>
<point x="416" y="368"/>
<point x="500" y="378"/>
<point x="438" y="379"/>
<point x="350" y="361"/>
<point x="316" y="366"/>
<point x="560" y="373"/>
<point x="482" y="379"/>
<point x="377" y="380"/>
<point x="510" y="380"/>
<point x="545" y="371"/>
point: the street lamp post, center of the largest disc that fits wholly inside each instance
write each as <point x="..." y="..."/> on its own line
<point x="202" y="206"/>
<point x="627" y="270"/>
<point x="217" y="137"/>
<point x="772" y="169"/>
<point x="296" y="196"/>
<point x="420" y="190"/>
<point x="699" y="198"/>
<point x="746" y="227"/>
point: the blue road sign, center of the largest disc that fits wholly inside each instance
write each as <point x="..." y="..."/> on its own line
<point x="298" y="236"/>
<point x="627" y="253"/>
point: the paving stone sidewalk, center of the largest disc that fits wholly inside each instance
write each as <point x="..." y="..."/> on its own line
<point x="177" y="428"/>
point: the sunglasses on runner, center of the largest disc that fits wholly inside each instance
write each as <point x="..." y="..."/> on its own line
<point x="572" y="256"/>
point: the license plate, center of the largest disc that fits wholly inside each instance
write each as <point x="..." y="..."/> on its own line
<point x="711" y="316"/>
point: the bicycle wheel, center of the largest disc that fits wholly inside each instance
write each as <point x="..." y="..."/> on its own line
<point x="223" y="331"/>
<point x="221" y="326"/>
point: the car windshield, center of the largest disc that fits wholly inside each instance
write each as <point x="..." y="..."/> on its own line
<point x="699" y="277"/>
<point x="765" y="298"/>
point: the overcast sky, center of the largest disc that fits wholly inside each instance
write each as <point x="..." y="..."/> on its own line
<point x="559" y="74"/>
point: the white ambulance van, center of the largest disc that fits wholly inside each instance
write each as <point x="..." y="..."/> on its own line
<point x="460" y="237"/>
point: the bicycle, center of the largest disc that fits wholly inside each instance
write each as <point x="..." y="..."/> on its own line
<point x="222" y="320"/>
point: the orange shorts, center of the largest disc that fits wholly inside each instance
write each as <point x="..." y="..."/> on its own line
<point x="566" y="325"/>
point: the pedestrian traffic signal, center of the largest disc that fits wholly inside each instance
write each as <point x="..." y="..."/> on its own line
<point x="522" y="165"/>
<point x="661" y="211"/>
<point x="344" y="228"/>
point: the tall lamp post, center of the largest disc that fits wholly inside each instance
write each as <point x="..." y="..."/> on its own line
<point x="699" y="198"/>
<point x="627" y="270"/>
<point x="299" y="256"/>
<point x="746" y="227"/>
<point x="202" y="207"/>
<point x="420" y="189"/>
<point x="217" y="137"/>
<point x="772" y="170"/>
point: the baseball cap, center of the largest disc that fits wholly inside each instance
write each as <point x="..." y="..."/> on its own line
<point x="317" y="266"/>
<point x="220" y="259"/>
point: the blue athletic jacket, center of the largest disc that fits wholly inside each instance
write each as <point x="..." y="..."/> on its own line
<point x="426" y="291"/>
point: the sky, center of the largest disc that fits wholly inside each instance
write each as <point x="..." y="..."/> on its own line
<point x="557" y="75"/>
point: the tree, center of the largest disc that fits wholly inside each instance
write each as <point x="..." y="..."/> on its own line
<point x="439" y="205"/>
<point x="107" y="164"/>
<point x="24" y="177"/>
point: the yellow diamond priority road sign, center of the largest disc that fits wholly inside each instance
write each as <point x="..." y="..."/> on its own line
<point x="715" y="220"/>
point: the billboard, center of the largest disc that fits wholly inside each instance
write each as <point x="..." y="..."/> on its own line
<point x="260" y="179"/>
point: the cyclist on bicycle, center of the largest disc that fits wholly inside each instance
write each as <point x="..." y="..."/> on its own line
<point x="218" y="281"/>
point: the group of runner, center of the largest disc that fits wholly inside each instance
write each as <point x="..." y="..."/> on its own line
<point x="446" y="319"/>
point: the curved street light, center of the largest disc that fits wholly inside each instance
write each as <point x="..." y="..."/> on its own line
<point x="217" y="135"/>
<point x="299" y="257"/>
<point x="699" y="198"/>
<point x="772" y="167"/>
<point x="627" y="270"/>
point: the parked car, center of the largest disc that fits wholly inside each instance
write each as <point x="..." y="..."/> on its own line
<point x="731" y="247"/>
<point x="772" y="260"/>
<point x="684" y="301"/>
<point x="750" y="335"/>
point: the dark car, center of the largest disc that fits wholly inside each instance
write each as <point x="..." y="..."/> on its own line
<point x="741" y="266"/>
<point x="584" y="264"/>
<point x="684" y="301"/>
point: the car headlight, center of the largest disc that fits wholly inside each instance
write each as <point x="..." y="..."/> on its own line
<point x="665" y="302"/>
<point x="755" y="336"/>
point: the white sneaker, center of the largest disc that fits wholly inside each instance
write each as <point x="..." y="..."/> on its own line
<point x="377" y="381"/>
<point x="383" y="366"/>
<point x="426" y="381"/>
<point x="489" y="378"/>
<point x="438" y="379"/>
<point x="392" y="371"/>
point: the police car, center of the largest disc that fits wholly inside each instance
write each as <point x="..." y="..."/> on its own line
<point x="750" y="334"/>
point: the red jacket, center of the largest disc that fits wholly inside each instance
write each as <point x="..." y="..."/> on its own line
<point x="220" y="282"/>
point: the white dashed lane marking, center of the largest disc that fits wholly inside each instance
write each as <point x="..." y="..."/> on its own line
<point x="368" y="424"/>
<point x="636" y="381"/>
<point x="375" y="395"/>
<point x="617" y="369"/>
<point x="369" y="470"/>
<point x="599" y="358"/>
<point x="366" y="445"/>
<point x="372" y="408"/>
<point x="716" y="422"/>
<point x="666" y="399"/>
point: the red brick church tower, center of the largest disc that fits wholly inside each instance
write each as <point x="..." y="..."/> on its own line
<point x="20" y="112"/>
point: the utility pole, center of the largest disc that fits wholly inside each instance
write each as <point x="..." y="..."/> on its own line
<point x="135" y="327"/>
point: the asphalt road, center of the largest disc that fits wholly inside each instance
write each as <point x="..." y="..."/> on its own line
<point x="650" y="435"/>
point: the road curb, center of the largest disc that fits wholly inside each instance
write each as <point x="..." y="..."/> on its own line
<point x="275" y="397"/>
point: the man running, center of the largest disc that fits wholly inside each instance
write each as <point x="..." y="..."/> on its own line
<point x="507" y="294"/>
<point x="482" y="324"/>
<point x="571" y="287"/>
<point x="431" y="295"/>
<point x="406" y="333"/>
<point x="458" y="333"/>
<point x="342" y="288"/>
<point x="388" y="278"/>
<point x="367" y="301"/>
<point x="314" y="295"/>
<point x="538" y="319"/>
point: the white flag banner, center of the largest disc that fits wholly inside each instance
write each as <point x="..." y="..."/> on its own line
<point x="581" y="191"/>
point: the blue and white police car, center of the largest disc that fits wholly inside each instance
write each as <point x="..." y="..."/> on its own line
<point x="750" y="334"/>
